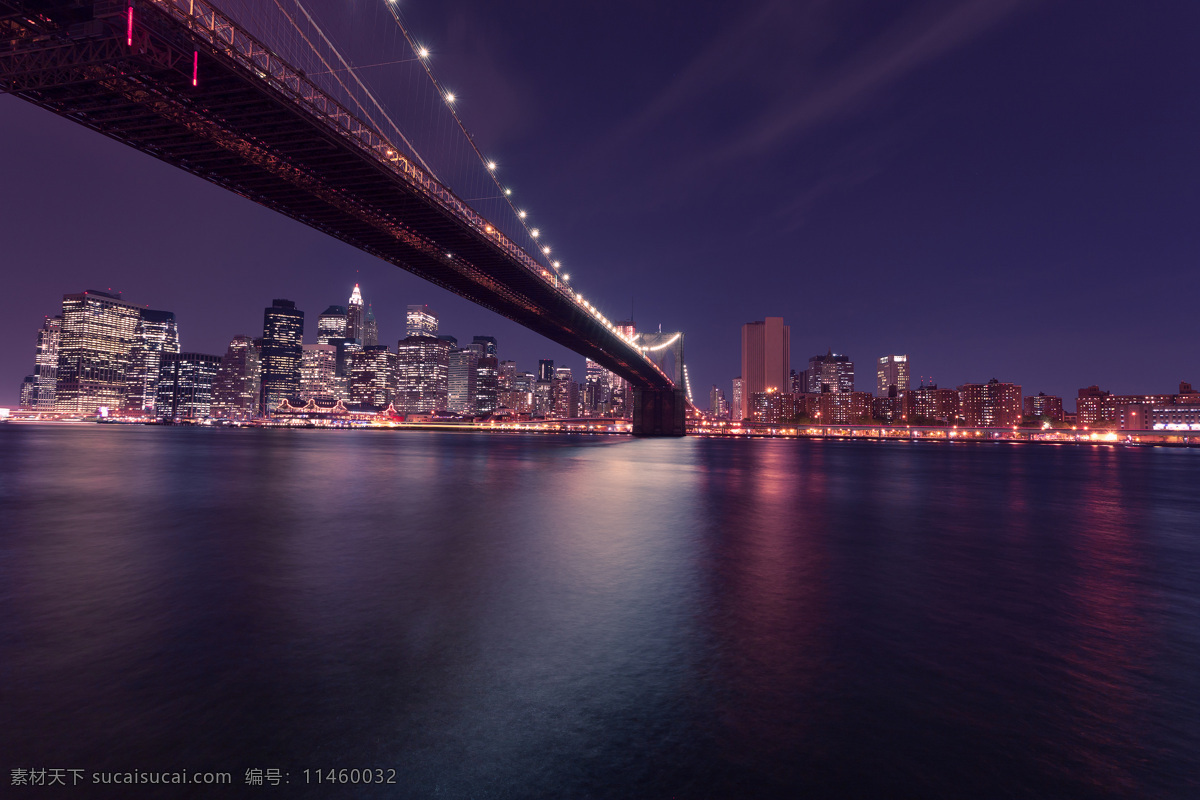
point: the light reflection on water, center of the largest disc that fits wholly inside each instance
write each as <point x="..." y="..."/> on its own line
<point x="522" y="616"/>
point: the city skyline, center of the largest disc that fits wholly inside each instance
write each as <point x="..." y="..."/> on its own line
<point x="1072" y="188"/>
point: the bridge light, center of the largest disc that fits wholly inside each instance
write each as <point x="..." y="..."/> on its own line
<point x="535" y="233"/>
<point x="491" y="165"/>
<point x="507" y="192"/>
<point x="422" y="53"/>
<point x="521" y="214"/>
<point x="449" y="97"/>
<point x="546" y="251"/>
<point x="566" y="277"/>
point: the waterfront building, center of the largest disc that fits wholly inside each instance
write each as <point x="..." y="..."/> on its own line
<point x="236" y="387"/>
<point x="487" y="375"/>
<point x="27" y="400"/>
<point x="829" y="373"/>
<point x="420" y="320"/>
<point x="737" y="410"/>
<point x="283" y="336"/>
<point x="930" y="405"/>
<point x="1097" y="407"/>
<point x="1174" y="417"/>
<point x="331" y="324"/>
<point x="318" y="373"/>
<point x="892" y="371"/>
<point x="464" y="363"/>
<point x="156" y="333"/>
<point x="355" y="315"/>
<point x="45" y="368"/>
<point x="990" y="405"/>
<point x="843" y="408"/>
<point x="184" y="389"/>
<point x="564" y="394"/>
<point x="766" y="356"/>
<point x="371" y="382"/>
<point x="95" y="351"/>
<point x="1044" y="405"/>
<point x="423" y="364"/>
<point x="772" y="407"/>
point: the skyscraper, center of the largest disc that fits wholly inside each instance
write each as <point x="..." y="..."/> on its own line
<point x="184" y="389"/>
<point x="421" y="320"/>
<point x="463" y="364"/>
<point x="893" y="371"/>
<point x="283" y="336"/>
<point x="830" y="373"/>
<point x="156" y="334"/>
<point x="28" y="393"/>
<point x="354" y="315"/>
<point x="318" y="374"/>
<point x="371" y="382"/>
<point x="95" y="351"/>
<point x="766" y="356"/>
<point x="370" y="328"/>
<point x="597" y="390"/>
<point x="331" y="325"/>
<point x="236" y="387"/>
<point x="487" y="375"/>
<point x="737" y="410"/>
<point x="46" y="364"/>
<point x="716" y="402"/>
<point x="565" y="394"/>
<point x="620" y="397"/>
<point x="423" y="372"/>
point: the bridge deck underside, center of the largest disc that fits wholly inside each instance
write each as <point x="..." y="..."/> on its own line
<point x="238" y="132"/>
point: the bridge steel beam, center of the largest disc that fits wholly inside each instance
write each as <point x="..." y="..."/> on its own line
<point x="259" y="127"/>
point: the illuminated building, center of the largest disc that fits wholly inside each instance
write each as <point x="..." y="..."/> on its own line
<point x="737" y="410"/>
<point x="1181" y="417"/>
<point x="283" y="335"/>
<point x="487" y="376"/>
<point x="185" y="386"/>
<point x="891" y="371"/>
<point x="370" y="331"/>
<point x="716" y="402"/>
<point x="990" y="405"/>
<point x="354" y="315"/>
<point x="95" y="352"/>
<point x="331" y="324"/>
<point x="463" y="364"/>
<point x="766" y="356"/>
<point x="843" y="408"/>
<point x="829" y="373"/>
<point x="371" y="382"/>
<point x="772" y="407"/>
<point x="930" y="405"/>
<point x="156" y="334"/>
<point x="1094" y="406"/>
<point x="27" y="401"/>
<point x="236" y="387"/>
<point x="597" y="390"/>
<point x="45" y="369"/>
<point x="564" y="394"/>
<point x="620" y="396"/>
<point x="420" y="321"/>
<point x="423" y="364"/>
<point x="519" y="395"/>
<point x="318" y="373"/>
<point x="1044" y="405"/>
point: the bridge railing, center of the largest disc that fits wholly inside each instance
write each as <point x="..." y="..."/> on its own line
<point x="224" y="35"/>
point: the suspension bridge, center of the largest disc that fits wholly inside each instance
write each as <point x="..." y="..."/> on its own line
<point x="188" y="84"/>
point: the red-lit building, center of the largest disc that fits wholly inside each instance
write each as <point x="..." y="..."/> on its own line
<point x="990" y="405"/>
<point x="1095" y="406"/>
<point x="843" y="408"/>
<point x="929" y="404"/>
<point x="1044" y="405"/>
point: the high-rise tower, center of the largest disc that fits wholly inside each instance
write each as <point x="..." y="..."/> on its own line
<point x="355" y="318"/>
<point x="766" y="356"/>
<point x="283" y="336"/>
<point x="420" y="321"/>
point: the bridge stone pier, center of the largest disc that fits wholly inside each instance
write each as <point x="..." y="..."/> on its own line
<point x="659" y="412"/>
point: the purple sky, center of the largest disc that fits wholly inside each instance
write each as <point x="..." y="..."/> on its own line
<point x="999" y="188"/>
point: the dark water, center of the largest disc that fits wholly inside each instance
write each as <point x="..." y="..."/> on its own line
<point x="528" y="616"/>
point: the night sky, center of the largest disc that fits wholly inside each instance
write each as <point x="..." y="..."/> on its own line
<point x="998" y="188"/>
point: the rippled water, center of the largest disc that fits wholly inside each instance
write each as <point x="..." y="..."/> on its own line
<point x="529" y="616"/>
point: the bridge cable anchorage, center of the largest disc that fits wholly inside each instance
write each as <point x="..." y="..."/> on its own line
<point x="489" y="165"/>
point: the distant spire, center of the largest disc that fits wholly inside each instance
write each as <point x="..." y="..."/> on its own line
<point x="356" y="296"/>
